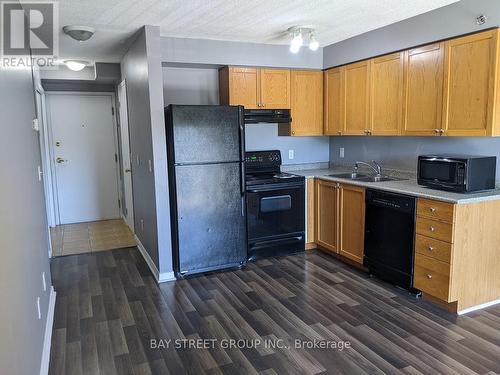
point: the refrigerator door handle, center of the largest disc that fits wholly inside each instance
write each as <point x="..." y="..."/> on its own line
<point x="242" y="178"/>
<point x="243" y="206"/>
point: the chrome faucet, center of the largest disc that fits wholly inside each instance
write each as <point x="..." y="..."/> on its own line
<point x="374" y="166"/>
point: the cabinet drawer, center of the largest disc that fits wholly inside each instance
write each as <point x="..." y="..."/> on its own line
<point x="432" y="276"/>
<point x="433" y="248"/>
<point x="435" y="229"/>
<point x="435" y="210"/>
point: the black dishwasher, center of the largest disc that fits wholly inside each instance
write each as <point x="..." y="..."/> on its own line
<point x="390" y="237"/>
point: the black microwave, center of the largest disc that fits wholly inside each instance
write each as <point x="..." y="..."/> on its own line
<point x="458" y="173"/>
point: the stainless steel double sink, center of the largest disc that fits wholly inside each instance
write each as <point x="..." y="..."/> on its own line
<point x="364" y="177"/>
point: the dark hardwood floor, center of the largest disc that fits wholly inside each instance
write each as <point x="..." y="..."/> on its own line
<point x="109" y="309"/>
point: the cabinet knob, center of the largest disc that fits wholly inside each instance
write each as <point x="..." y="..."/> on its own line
<point x="293" y="132"/>
<point x="432" y="229"/>
<point x="436" y="131"/>
<point x="432" y="209"/>
<point x="430" y="248"/>
<point x="441" y="131"/>
<point x="429" y="276"/>
<point x="339" y="132"/>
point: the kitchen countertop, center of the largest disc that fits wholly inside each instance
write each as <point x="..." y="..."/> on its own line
<point x="408" y="186"/>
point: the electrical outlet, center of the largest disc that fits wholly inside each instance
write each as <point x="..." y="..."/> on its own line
<point x="44" y="283"/>
<point x="38" y="308"/>
<point x="291" y="154"/>
<point x="36" y="125"/>
<point x="341" y="153"/>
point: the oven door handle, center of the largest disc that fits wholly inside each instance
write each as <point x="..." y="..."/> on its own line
<point x="280" y="187"/>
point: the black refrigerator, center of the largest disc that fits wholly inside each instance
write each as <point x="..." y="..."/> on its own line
<point x="206" y="153"/>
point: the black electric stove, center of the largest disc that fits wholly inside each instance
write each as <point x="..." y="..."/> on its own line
<point x="275" y="206"/>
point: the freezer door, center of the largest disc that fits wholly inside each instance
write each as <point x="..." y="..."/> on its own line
<point x="207" y="134"/>
<point x="211" y="222"/>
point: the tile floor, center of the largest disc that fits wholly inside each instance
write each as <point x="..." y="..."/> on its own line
<point x="70" y="239"/>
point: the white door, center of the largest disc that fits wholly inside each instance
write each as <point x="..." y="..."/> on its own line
<point x="128" y="206"/>
<point x="85" y="157"/>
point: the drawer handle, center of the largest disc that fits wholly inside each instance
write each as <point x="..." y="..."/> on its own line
<point x="429" y="276"/>
<point x="432" y="209"/>
<point x="431" y="248"/>
<point x="432" y="229"/>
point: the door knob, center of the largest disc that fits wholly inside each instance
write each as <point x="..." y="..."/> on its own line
<point x="431" y="248"/>
<point x="60" y="160"/>
<point x="432" y="229"/>
<point x="429" y="276"/>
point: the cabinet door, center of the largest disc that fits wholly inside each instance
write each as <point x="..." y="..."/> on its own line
<point x="386" y="110"/>
<point x="357" y="98"/>
<point x="327" y="215"/>
<point x="275" y="88"/>
<point x="470" y="84"/>
<point x="243" y="87"/>
<point x="334" y="101"/>
<point x="352" y="222"/>
<point x="307" y="102"/>
<point x="424" y="90"/>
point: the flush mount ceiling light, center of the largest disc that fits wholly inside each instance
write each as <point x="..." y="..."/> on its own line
<point x="80" y="33"/>
<point x="298" y="34"/>
<point x="76" y="65"/>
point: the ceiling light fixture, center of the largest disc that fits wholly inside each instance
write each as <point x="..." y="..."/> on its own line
<point x="313" y="43"/>
<point x="76" y="65"/>
<point x="297" y="34"/>
<point x="80" y="33"/>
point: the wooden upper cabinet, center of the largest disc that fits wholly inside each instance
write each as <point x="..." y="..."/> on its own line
<point x="357" y="97"/>
<point x="386" y="84"/>
<point x="424" y="90"/>
<point x="470" y="67"/>
<point x="255" y="88"/>
<point x="327" y="215"/>
<point x="275" y="88"/>
<point x="352" y="222"/>
<point x="333" y="101"/>
<point x="239" y="86"/>
<point x="307" y="102"/>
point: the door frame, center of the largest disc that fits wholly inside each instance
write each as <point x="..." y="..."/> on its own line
<point x="49" y="130"/>
<point x="130" y="210"/>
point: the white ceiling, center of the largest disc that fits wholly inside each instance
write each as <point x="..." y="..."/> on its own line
<point x="260" y="21"/>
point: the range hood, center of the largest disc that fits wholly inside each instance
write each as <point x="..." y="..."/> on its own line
<point x="274" y="116"/>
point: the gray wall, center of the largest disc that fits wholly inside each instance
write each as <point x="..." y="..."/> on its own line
<point x="141" y="69"/>
<point x="200" y="86"/>
<point x="23" y="229"/>
<point x="194" y="86"/>
<point x="402" y="152"/>
<point x="203" y="51"/>
<point x="307" y="149"/>
<point x="442" y="23"/>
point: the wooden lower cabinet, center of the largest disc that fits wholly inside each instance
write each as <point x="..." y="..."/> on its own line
<point x="340" y="219"/>
<point x="456" y="252"/>
<point x="352" y="222"/>
<point x="327" y="215"/>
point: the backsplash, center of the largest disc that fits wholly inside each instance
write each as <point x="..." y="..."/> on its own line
<point x="306" y="150"/>
<point x="401" y="152"/>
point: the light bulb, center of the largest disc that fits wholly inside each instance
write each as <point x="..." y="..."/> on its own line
<point x="75" y="65"/>
<point x="313" y="43"/>
<point x="296" y="43"/>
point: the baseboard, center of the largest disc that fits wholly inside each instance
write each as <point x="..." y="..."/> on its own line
<point x="478" y="307"/>
<point x="44" y="365"/>
<point x="159" y="277"/>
